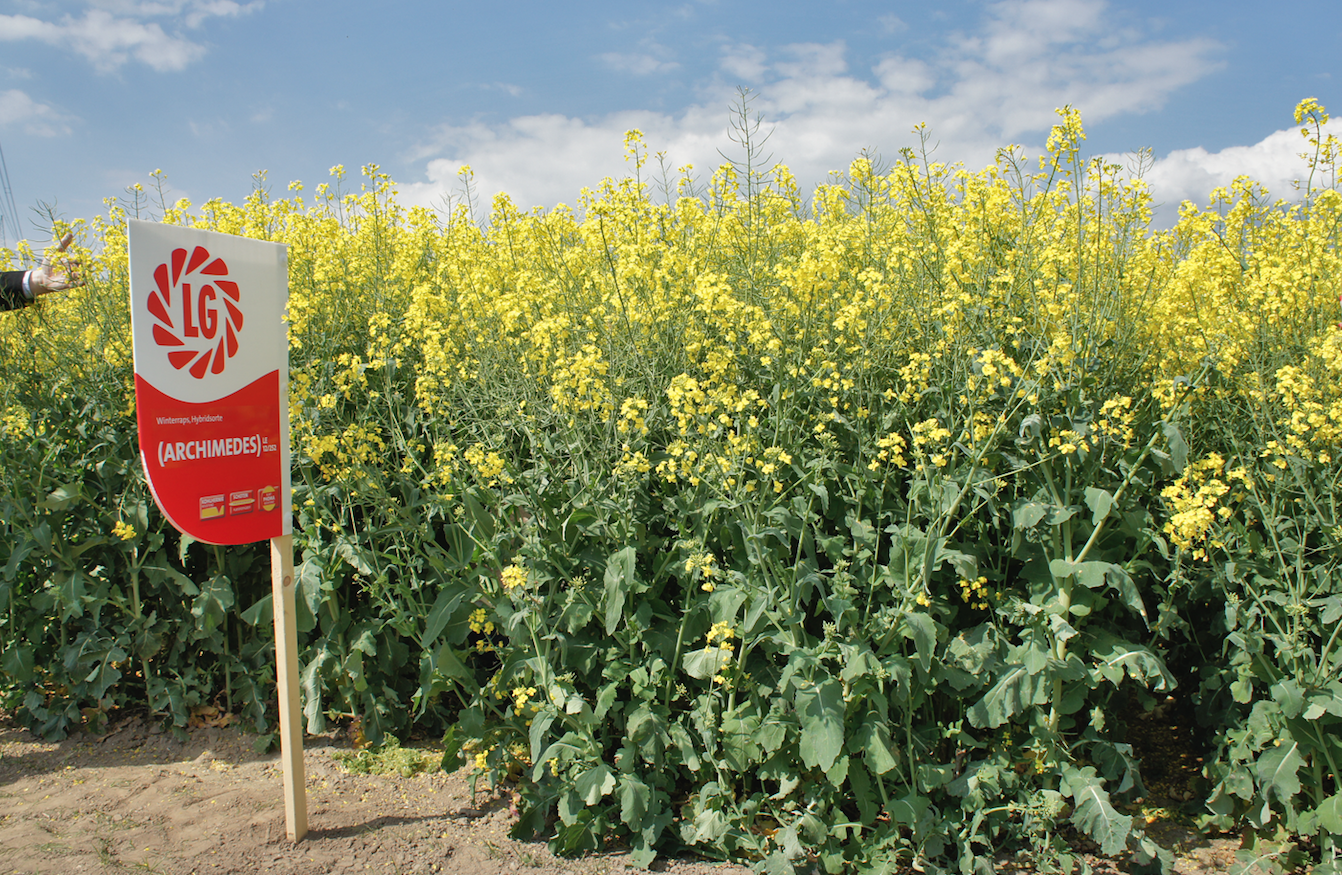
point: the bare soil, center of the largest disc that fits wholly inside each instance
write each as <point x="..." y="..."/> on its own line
<point x="140" y="800"/>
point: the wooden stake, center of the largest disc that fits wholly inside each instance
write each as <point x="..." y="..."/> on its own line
<point x="286" y="675"/>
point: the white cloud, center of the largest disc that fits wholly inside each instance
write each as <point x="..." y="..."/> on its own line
<point x="892" y="24"/>
<point x="1275" y="162"/>
<point x="978" y="92"/>
<point x="745" y="62"/>
<point x="37" y="119"/>
<point x="115" y="32"/>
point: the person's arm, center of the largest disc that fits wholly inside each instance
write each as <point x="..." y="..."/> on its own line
<point x="18" y="288"/>
<point x="13" y="295"/>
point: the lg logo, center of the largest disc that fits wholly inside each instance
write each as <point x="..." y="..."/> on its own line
<point x="196" y="311"/>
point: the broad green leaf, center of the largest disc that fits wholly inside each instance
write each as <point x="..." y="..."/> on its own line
<point x="909" y="810"/>
<point x="1289" y="696"/>
<point x="1329" y="813"/>
<point x="706" y="662"/>
<point x="359" y="558"/>
<point x="858" y="661"/>
<point x="634" y="799"/>
<point x="868" y="804"/>
<point x="1016" y="689"/>
<point x="1328" y="701"/>
<point x="447" y="662"/>
<point x="309" y="583"/>
<point x="538" y="732"/>
<point x="873" y="739"/>
<point x="449" y="599"/>
<point x="619" y="580"/>
<point x="680" y="737"/>
<point x="1100" y="503"/>
<point x="483" y="519"/>
<point x="1112" y="657"/>
<point x="1059" y="514"/>
<point x="17" y="662"/>
<point x="1095" y="575"/>
<point x="1178" y="447"/>
<point x="1277" y="770"/>
<point x="820" y="710"/>
<point x="1092" y="811"/>
<point x="739" y="750"/>
<point x="260" y="613"/>
<point x="60" y="498"/>
<point x="596" y="782"/>
<point x="923" y="630"/>
<point x="1028" y="515"/>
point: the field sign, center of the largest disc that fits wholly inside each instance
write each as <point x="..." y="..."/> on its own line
<point x="211" y="398"/>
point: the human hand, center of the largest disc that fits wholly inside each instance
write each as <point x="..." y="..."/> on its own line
<point x="48" y="278"/>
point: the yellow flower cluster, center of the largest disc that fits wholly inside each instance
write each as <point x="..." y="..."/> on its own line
<point x="522" y="700"/>
<point x="723" y="633"/>
<point x="1198" y="499"/>
<point x="488" y="464"/>
<point x="513" y="577"/>
<point x="977" y="594"/>
<point x="704" y="566"/>
<point x="17" y="423"/>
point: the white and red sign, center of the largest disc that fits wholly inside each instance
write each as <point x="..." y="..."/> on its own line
<point x="212" y="379"/>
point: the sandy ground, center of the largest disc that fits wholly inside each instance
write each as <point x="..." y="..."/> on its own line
<point x="140" y="800"/>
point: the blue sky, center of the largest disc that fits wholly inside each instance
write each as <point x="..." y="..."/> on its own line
<point x="536" y="96"/>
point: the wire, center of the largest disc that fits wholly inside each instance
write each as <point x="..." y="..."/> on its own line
<point x="9" y="214"/>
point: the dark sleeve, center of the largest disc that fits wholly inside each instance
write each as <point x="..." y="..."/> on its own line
<point x="11" y="290"/>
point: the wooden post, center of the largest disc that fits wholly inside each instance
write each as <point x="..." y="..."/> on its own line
<point x="286" y="675"/>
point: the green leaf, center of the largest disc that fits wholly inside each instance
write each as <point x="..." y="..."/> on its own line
<point x="680" y="737"/>
<point x="593" y="784"/>
<point x="1100" y="503"/>
<point x="1289" y="696"/>
<point x="923" y="630"/>
<point x="447" y="662"/>
<point x="858" y="662"/>
<point x="1114" y="656"/>
<point x="619" y="580"/>
<point x="483" y="519"/>
<point x="60" y="498"/>
<point x="1094" y="575"/>
<point x="705" y="662"/>
<point x="309" y="583"/>
<point x="1325" y="702"/>
<point x="1178" y="447"/>
<point x="873" y="739"/>
<point x="540" y="727"/>
<point x="1277" y="769"/>
<point x="820" y="709"/>
<point x="1092" y="811"/>
<point x="1329" y="813"/>
<point x="634" y="798"/>
<point x="17" y="662"/>
<point x="449" y="599"/>
<point x="1015" y="690"/>
<point x="260" y="613"/>
<point x="358" y="558"/>
<point x="1028" y="514"/>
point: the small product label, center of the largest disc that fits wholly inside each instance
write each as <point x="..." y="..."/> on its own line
<point x="270" y="497"/>
<point x="211" y="506"/>
<point x="241" y="501"/>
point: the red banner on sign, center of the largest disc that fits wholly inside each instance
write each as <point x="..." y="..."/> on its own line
<point x="215" y="468"/>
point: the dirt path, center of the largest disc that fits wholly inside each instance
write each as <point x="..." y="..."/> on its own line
<point x="140" y="800"/>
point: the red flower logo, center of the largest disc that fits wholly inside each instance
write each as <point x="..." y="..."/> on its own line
<point x="204" y="337"/>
